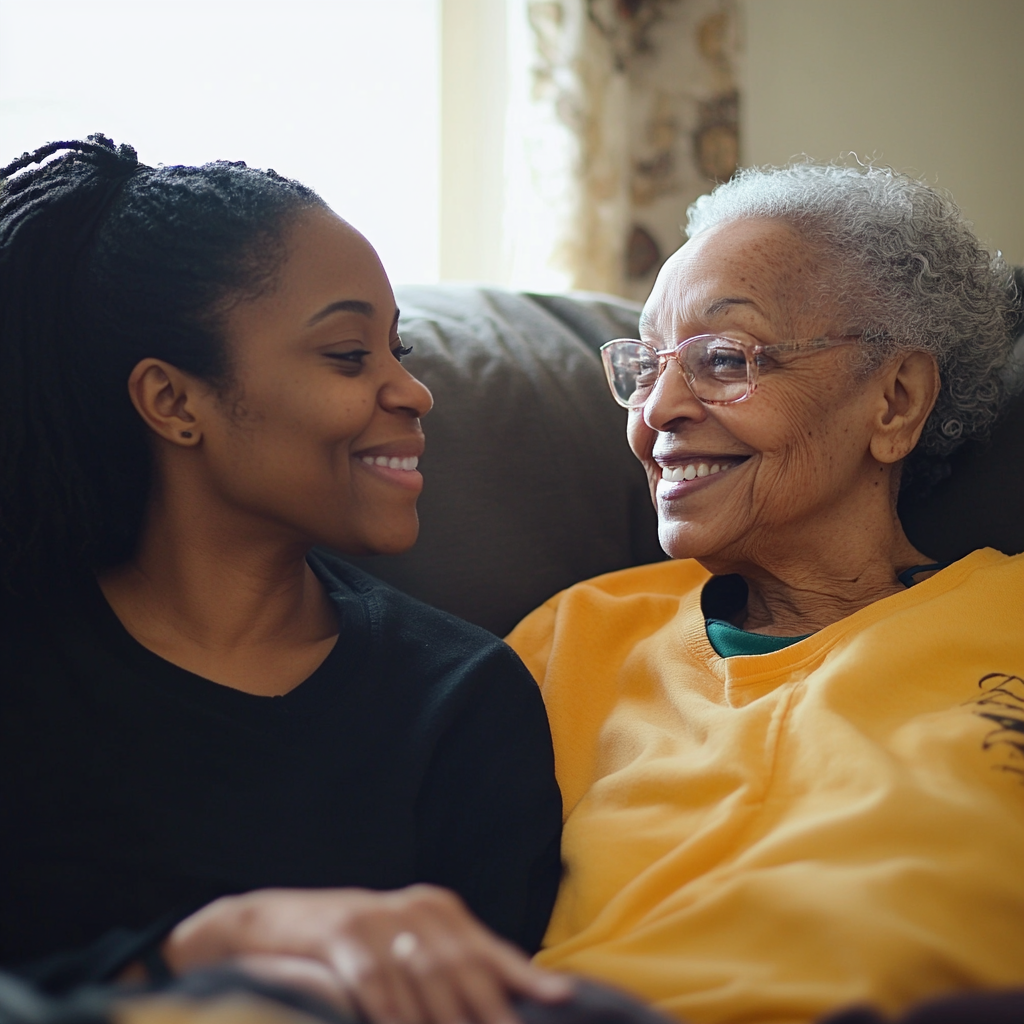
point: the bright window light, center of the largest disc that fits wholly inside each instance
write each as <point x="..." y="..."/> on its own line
<point x="342" y="95"/>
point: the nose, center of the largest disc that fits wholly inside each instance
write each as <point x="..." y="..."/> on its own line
<point x="405" y="394"/>
<point x="671" y="400"/>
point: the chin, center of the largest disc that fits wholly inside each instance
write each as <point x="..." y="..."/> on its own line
<point x="394" y="546"/>
<point x="381" y="539"/>
<point x="675" y="544"/>
<point x="686" y="540"/>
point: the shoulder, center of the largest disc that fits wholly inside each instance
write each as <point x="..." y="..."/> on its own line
<point x="979" y="596"/>
<point x="658" y="585"/>
<point x="618" y="608"/>
<point x="671" y="578"/>
<point x="987" y="562"/>
<point x="405" y="618"/>
<point x="415" y="641"/>
<point x="961" y="643"/>
<point x="988" y="587"/>
<point x="34" y="630"/>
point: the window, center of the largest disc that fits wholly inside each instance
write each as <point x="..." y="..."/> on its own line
<point x="344" y="95"/>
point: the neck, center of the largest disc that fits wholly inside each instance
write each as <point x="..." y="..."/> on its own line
<point x="794" y="599"/>
<point x="231" y="600"/>
<point x="815" y="573"/>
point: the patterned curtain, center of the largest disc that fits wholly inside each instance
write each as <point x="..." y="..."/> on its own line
<point x="621" y="113"/>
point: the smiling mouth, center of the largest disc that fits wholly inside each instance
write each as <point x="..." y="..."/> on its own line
<point x="407" y="463"/>
<point x="699" y="468"/>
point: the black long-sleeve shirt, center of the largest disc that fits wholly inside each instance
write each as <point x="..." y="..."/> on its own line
<point x="133" y="791"/>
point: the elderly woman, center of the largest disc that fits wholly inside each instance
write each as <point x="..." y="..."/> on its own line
<point x="790" y="758"/>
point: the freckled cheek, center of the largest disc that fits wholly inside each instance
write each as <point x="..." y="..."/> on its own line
<point x="786" y="427"/>
<point x="805" y="463"/>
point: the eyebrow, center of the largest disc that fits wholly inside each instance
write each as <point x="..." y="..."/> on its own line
<point x="347" y="306"/>
<point x="719" y="305"/>
<point x="716" y="307"/>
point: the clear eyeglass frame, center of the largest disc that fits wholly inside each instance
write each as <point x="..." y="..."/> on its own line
<point x="621" y="356"/>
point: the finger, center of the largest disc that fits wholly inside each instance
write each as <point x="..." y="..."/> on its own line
<point x="433" y="964"/>
<point x="454" y="979"/>
<point x="309" y="975"/>
<point x="512" y="966"/>
<point x="452" y="935"/>
<point x="379" y="988"/>
<point x="518" y="975"/>
<point x="437" y="993"/>
<point x="485" y="999"/>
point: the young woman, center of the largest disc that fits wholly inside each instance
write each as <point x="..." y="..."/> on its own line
<point x="200" y="381"/>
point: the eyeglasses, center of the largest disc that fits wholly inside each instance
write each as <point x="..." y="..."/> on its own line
<point x="719" y="371"/>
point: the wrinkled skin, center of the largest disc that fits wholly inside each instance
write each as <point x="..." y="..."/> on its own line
<point x="806" y="508"/>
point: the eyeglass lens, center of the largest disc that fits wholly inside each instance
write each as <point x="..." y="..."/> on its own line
<point x="716" y="369"/>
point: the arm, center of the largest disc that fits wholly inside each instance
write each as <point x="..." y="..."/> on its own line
<point x="491" y="832"/>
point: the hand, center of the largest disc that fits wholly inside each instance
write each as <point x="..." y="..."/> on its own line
<point x="412" y="956"/>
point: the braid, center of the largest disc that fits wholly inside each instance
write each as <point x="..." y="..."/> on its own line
<point x="24" y="195"/>
<point x="103" y="262"/>
<point x="97" y="145"/>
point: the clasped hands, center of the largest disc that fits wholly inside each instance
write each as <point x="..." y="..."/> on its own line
<point x="410" y="956"/>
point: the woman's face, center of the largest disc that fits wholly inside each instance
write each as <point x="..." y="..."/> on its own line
<point x="795" y="455"/>
<point x="319" y="435"/>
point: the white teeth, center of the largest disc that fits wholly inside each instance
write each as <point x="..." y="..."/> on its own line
<point x="693" y="471"/>
<point x="409" y="463"/>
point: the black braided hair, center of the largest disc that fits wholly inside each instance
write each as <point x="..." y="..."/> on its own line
<point x="104" y="262"/>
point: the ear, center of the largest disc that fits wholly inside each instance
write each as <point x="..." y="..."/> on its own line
<point x="168" y="400"/>
<point x="910" y="386"/>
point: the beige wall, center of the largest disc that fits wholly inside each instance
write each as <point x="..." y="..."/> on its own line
<point x="935" y="87"/>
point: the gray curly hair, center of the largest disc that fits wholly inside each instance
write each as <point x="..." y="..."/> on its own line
<point x="904" y="270"/>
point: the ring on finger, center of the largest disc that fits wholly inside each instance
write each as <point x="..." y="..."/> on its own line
<point x="403" y="945"/>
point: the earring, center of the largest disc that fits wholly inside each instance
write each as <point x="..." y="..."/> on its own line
<point x="186" y="433"/>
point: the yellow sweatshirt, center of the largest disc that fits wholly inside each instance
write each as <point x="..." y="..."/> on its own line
<point x="770" y="837"/>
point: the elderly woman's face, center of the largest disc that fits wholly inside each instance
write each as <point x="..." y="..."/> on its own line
<point x="794" y="452"/>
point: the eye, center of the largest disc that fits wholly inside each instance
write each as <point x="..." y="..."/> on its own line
<point x="633" y="361"/>
<point x="401" y="351"/>
<point x="645" y="368"/>
<point x="351" y="361"/>
<point x="721" y="361"/>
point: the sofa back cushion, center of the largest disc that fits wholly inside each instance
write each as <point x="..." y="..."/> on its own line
<point x="529" y="483"/>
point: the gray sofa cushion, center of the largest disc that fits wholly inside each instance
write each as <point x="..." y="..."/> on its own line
<point x="530" y="485"/>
